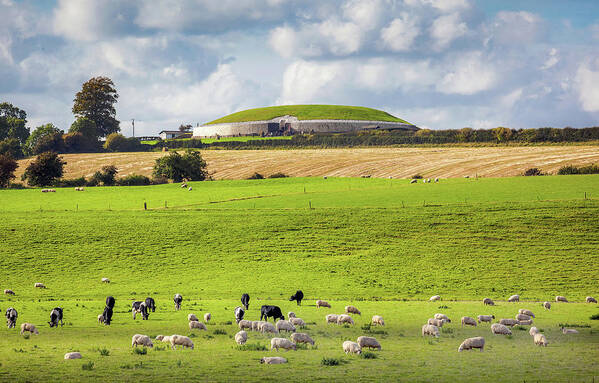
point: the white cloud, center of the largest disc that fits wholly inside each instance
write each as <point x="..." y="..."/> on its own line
<point x="305" y="81"/>
<point x="470" y="74"/>
<point x="400" y="34"/>
<point x="368" y="14"/>
<point x="283" y="40"/>
<point x="552" y="59"/>
<point x="446" y="29"/>
<point x="510" y="99"/>
<point x="516" y="28"/>
<point x="587" y="79"/>
<point x="442" y="5"/>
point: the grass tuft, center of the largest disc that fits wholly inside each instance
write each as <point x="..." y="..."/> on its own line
<point x="368" y="355"/>
<point x="140" y="351"/>
<point x="88" y="366"/>
<point x="251" y="347"/>
<point x="332" y="361"/>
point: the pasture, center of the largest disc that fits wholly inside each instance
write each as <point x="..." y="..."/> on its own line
<point x="382" y="245"/>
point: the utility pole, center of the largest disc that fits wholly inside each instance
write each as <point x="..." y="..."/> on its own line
<point x="133" y="125"/>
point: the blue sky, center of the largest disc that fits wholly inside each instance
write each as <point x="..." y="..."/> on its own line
<point x="441" y="64"/>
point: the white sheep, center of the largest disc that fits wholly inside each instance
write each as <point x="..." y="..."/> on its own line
<point x="105" y="280"/>
<point x="435" y="298"/>
<point x="436" y="179"/>
<point x="547" y="305"/>
<point x="9" y="292"/>
<point x="468" y="321"/>
<point x="291" y="314"/>
<point x="285" y="325"/>
<point x="488" y="301"/>
<point x="509" y="322"/>
<point x="485" y="318"/>
<point x="241" y="337"/>
<point x="559" y="298"/>
<point x="72" y="355"/>
<point x="352" y="310"/>
<point x="297" y="322"/>
<point x="344" y="319"/>
<point x="367" y="341"/>
<point x="321" y="303"/>
<point x="591" y="300"/>
<point x="351" y="347"/>
<point x="180" y="340"/>
<point x="39" y="285"/>
<point x="164" y="338"/>
<point x="273" y="360"/>
<point x="207" y="317"/>
<point x="332" y="318"/>
<point x="257" y="325"/>
<point x="29" y="327"/>
<point x="569" y="331"/>
<point x="300" y="337"/>
<point x="101" y="318"/>
<point x="514" y="298"/>
<point x="267" y="327"/>
<point x="196" y="324"/>
<point x="525" y="322"/>
<point x="436" y="322"/>
<point x="141" y="340"/>
<point x="472" y="343"/>
<point x="378" y="320"/>
<point x="283" y="343"/>
<point x="442" y="316"/>
<point x="429" y="329"/>
<point x="498" y="328"/>
<point x="533" y="330"/>
<point x="540" y="340"/>
<point x="243" y="324"/>
<point x="192" y="317"/>
<point x="80" y="188"/>
<point x="413" y="181"/>
<point x="526" y="312"/>
<point x="522" y="317"/>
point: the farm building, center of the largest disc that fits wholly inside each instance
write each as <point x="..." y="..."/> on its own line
<point x="167" y="134"/>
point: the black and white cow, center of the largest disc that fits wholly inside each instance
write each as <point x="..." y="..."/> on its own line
<point x="298" y="296"/>
<point x="140" y="307"/>
<point x="150" y="304"/>
<point x="11" y="317"/>
<point x="55" y="317"/>
<point x="268" y="311"/>
<point x="245" y="300"/>
<point x="107" y="315"/>
<point x="178" y="299"/>
<point x="239" y="313"/>
<point x="110" y="301"/>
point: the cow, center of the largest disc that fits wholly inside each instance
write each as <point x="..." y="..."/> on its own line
<point x="178" y="299"/>
<point x="140" y="307"/>
<point x="239" y="313"/>
<point x="107" y="315"/>
<point x="150" y="304"/>
<point x="298" y="296"/>
<point x="245" y="300"/>
<point x="11" y="317"/>
<point x="268" y="311"/>
<point x="110" y="302"/>
<point x="55" y="317"/>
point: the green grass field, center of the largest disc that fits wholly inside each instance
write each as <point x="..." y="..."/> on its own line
<point x="227" y="139"/>
<point x="310" y="112"/>
<point x="383" y="245"/>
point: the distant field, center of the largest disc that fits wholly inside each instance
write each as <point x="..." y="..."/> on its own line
<point x="227" y="139"/>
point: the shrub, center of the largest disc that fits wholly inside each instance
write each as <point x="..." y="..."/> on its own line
<point x="571" y="169"/>
<point x="159" y="180"/>
<point x="190" y="165"/>
<point x="594" y="317"/>
<point x="533" y="172"/>
<point x="88" y="366"/>
<point x="133" y="180"/>
<point x="7" y="170"/>
<point x="368" y="355"/>
<point x="116" y="142"/>
<point x="256" y="176"/>
<point x="140" y="351"/>
<point x="74" y="182"/>
<point x="568" y="169"/>
<point x="278" y="175"/>
<point x="44" y="170"/>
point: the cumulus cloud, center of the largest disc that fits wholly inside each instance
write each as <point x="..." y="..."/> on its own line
<point x="470" y="74"/>
<point x="400" y="34"/>
<point x="587" y="79"/>
<point x="516" y="28"/>
<point x="446" y="29"/>
<point x="552" y="59"/>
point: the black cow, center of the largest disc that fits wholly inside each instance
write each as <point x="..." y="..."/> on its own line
<point x="140" y="307"/>
<point x="107" y="315"/>
<point x="298" y="296"/>
<point x="110" y="302"/>
<point x="151" y="304"/>
<point x="11" y="317"/>
<point x="178" y="299"/>
<point x="55" y="317"/>
<point x="268" y="311"/>
<point x="245" y="300"/>
<point x="239" y="313"/>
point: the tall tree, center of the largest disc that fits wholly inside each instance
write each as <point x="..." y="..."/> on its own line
<point x="96" y="102"/>
<point x="44" y="170"/>
<point x="7" y="169"/>
<point x="44" y="138"/>
<point x="12" y="123"/>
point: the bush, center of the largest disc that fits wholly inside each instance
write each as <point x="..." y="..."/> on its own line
<point x="175" y="167"/>
<point x="533" y="172"/>
<point x="74" y="182"/>
<point x="568" y="169"/>
<point x="106" y="176"/>
<point x="133" y="180"/>
<point x="159" y="180"/>
<point x="571" y="169"/>
<point x="116" y="142"/>
<point x="594" y="317"/>
<point x="256" y="176"/>
<point x="44" y="170"/>
<point x="278" y="175"/>
<point x="7" y="170"/>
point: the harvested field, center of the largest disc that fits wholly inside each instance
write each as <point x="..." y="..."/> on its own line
<point x="376" y="162"/>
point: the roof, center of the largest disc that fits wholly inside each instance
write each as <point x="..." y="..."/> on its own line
<point x="171" y="131"/>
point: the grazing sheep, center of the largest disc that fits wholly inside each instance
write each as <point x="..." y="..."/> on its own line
<point x="72" y="355"/>
<point x="436" y="322"/>
<point x="101" y="318"/>
<point x="378" y="320"/>
<point x="321" y="303"/>
<point x="367" y="341"/>
<point x="533" y="330"/>
<point x="435" y="298"/>
<point x="48" y="191"/>
<point x="497" y="328"/>
<point x="190" y="189"/>
<point x="569" y="331"/>
<point x="525" y="322"/>
<point x="485" y="318"/>
<point x="436" y="179"/>
<point x="344" y="319"/>
<point x="424" y="181"/>
<point x="207" y="317"/>
<point x="547" y="305"/>
<point x="163" y="338"/>
<point x="79" y="188"/>
<point x="267" y="327"/>
<point x="285" y="325"/>
<point x="332" y="318"/>
<point x="273" y="360"/>
<point x="589" y="299"/>
<point x="291" y="314"/>
<point x="141" y="340"/>
<point x="105" y="280"/>
<point x="180" y="340"/>
<point x="300" y="337"/>
<point x="472" y="343"/>
<point x="39" y="285"/>
<point x="468" y="321"/>
<point x="241" y="337"/>
<point x="192" y="317"/>
<point x="243" y="324"/>
<point x="195" y="324"/>
<point x="183" y="185"/>
<point x="488" y="301"/>
<point x="297" y="322"/>
<point x="9" y="292"/>
<point x="283" y="343"/>
<point x="526" y="312"/>
<point x="509" y="322"/>
<point x="429" y="329"/>
<point x="351" y="347"/>
<point x="352" y="310"/>
<point x="540" y="340"/>
<point x="522" y="317"/>
<point x="442" y="316"/>
<point x="559" y="298"/>
<point x="257" y="325"/>
<point x="413" y="181"/>
<point x="514" y="298"/>
<point x="29" y="327"/>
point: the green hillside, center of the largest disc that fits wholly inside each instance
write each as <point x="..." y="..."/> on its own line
<point x="310" y="112"/>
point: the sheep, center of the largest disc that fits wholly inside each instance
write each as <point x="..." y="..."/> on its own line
<point x="285" y="325"/>
<point x="257" y="325"/>
<point x="241" y="337"/>
<point x="428" y="180"/>
<point x="522" y="317"/>
<point x="196" y="324"/>
<point x="72" y="355"/>
<point x="286" y="344"/>
<point x="79" y="188"/>
<point x="332" y="318"/>
<point x="488" y="301"/>
<point x="352" y="310"/>
<point x="559" y="298"/>
<point x="525" y="322"/>
<point x="424" y="181"/>
<point x="267" y="327"/>
<point x="509" y="322"/>
<point x="435" y="298"/>
<point x="163" y="338"/>
<point x="533" y="330"/>
<point x="436" y="322"/>
<point x="472" y="343"/>
<point x="300" y="337"/>
<point x="345" y="319"/>
<point x="569" y="331"/>
<point x="29" y="327"/>
<point x="468" y="321"/>
<point x="540" y="340"/>
<point x="105" y="280"/>
<point x="40" y="285"/>
<point x="101" y="318"/>
<point x="273" y="360"/>
<point x="9" y="292"/>
<point x="180" y="340"/>
<point x="366" y="341"/>
<point x="547" y="305"/>
<point x="183" y="185"/>
<point x="429" y="329"/>
<point x="243" y="324"/>
<point x="526" y="312"/>
<point x="436" y="179"/>
<point x="291" y="314"/>
<point x="189" y="189"/>
<point x="485" y="318"/>
<point x="514" y="298"/>
<point x="351" y="347"/>
<point x="442" y="316"/>
<point x="297" y="322"/>
<point x="207" y="317"/>
<point x="497" y="328"/>
<point x="48" y="190"/>
<point x="413" y="181"/>
<point x="378" y="320"/>
<point x="321" y="303"/>
<point x="589" y="299"/>
<point x="141" y="340"/>
<point x="192" y="317"/>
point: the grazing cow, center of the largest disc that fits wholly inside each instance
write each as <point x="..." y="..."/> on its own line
<point x="245" y="300"/>
<point x="55" y="317"/>
<point x="140" y="307"/>
<point x="267" y="311"/>
<point x="110" y="301"/>
<point x="107" y="315"/>
<point x="239" y="313"/>
<point x="178" y="299"/>
<point x="150" y="304"/>
<point x="298" y="296"/>
<point x="11" y="317"/>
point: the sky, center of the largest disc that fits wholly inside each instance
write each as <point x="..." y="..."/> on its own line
<point x="440" y="64"/>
